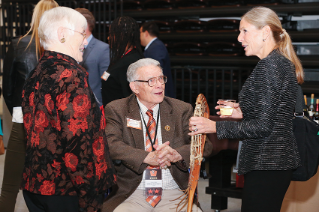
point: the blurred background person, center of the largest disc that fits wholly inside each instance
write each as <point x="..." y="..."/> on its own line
<point x="20" y="60"/>
<point x="67" y="165"/>
<point x="96" y="56"/>
<point x="269" y="152"/>
<point x="156" y="49"/>
<point x="125" y="48"/>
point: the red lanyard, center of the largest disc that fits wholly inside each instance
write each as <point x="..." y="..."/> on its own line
<point x="126" y="52"/>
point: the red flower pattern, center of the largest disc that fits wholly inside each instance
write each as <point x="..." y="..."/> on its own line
<point x="62" y="100"/>
<point x="49" y="104"/>
<point x="26" y="187"/>
<point x="37" y="85"/>
<point x="41" y="121"/>
<point x="103" y="120"/>
<point x="79" y="180"/>
<point x="31" y="99"/>
<point x="47" y="188"/>
<point x="65" y="74"/>
<point x="57" y="166"/>
<point x="86" y="83"/>
<point x="40" y="177"/>
<point x="76" y="125"/>
<point x="81" y="106"/>
<point x="35" y="139"/>
<point x="90" y="170"/>
<point x="100" y="168"/>
<point x="27" y="121"/>
<point x="98" y="148"/>
<point x="71" y="161"/>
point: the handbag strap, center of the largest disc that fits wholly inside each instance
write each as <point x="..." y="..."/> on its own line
<point x="300" y="103"/>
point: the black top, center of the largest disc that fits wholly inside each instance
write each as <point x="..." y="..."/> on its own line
<point x="18" y="63"/>
<point x="267" y="101"/>
<point x="117" y="86"/>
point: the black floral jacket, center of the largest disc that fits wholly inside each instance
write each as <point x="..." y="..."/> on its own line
<point x="66" y="151"/>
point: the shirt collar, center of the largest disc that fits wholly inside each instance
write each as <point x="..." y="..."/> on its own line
<point x="150" y="43"/>
<point x="88" y="40"/>
<point x="143" y="108"/>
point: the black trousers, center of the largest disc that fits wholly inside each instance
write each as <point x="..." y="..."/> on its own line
<point x="264" y="191"/>
<point x="43" y="203"/>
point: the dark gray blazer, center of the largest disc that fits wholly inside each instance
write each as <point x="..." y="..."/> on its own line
<point x="267" y="101"/>
<point x="96" y="60"/>
<point x="127" y="144"/>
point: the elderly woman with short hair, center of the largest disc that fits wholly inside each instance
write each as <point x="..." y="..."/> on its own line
<point x="67" y="166"/>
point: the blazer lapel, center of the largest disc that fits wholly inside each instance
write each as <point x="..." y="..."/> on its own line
<point x="134" y="113"/>
<point x="88" y="50"/>
<point x="167" y="122"/>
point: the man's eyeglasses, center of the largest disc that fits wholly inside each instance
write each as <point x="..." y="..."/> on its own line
<point x="82" y="33"/>
<point x="151" y="82"/>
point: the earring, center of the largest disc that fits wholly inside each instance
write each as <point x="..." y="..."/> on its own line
<point x="62" y="40"/>
<point x="264" y="40"/>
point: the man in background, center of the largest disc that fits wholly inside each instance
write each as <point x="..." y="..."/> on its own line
<point x="155" y="49"/>
<point x="96" y="56"/>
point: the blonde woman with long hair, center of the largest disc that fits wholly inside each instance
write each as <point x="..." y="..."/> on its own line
<point x="266" y="105"/>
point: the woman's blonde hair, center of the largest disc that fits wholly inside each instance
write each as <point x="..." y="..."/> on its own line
<point x="262" y="16"/>
<point x="39" y="9"/>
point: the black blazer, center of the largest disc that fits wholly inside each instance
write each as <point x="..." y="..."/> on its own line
<point x="117" y="86"/>
<point x="267" y="101"/>
<point x="158" y="51"/>
<point x="18" y="63"/>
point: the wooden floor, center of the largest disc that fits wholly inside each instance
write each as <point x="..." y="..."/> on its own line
<point x="204" y="199"/>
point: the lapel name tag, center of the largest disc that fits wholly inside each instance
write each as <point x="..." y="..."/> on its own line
<point x="133" y="123"/>
<point x="105" y="76"/>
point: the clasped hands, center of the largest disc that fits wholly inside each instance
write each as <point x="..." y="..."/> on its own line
<point x="163" y="156"/>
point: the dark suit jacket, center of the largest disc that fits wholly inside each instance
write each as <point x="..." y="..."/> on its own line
<point x="267" y="101"/>
<point x="117" y="86"/>
<point x="127" y="144"/>
<point x="96" y="60"/>
<point x="158" y="51"/>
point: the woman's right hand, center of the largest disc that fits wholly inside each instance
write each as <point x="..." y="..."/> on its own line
<point x="237" y="113"/>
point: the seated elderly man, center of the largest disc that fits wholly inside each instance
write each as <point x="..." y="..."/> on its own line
<point x="148" y="138"/>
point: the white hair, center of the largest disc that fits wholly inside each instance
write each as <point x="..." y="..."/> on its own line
<point x="57" y="17"/>
<point x="132" y="69"/>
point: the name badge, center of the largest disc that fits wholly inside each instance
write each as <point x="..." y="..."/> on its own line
<point x="105" y="76"/>
<point x="133" y="123"/>
<point x="153" y="181"/>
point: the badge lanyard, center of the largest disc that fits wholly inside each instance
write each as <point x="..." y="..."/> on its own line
<point x="148" y="133"/>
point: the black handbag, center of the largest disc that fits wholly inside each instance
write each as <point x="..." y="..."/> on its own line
<point x="306" y="132"/>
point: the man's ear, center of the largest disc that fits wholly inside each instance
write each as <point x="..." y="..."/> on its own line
<point x="133" y="87"/>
